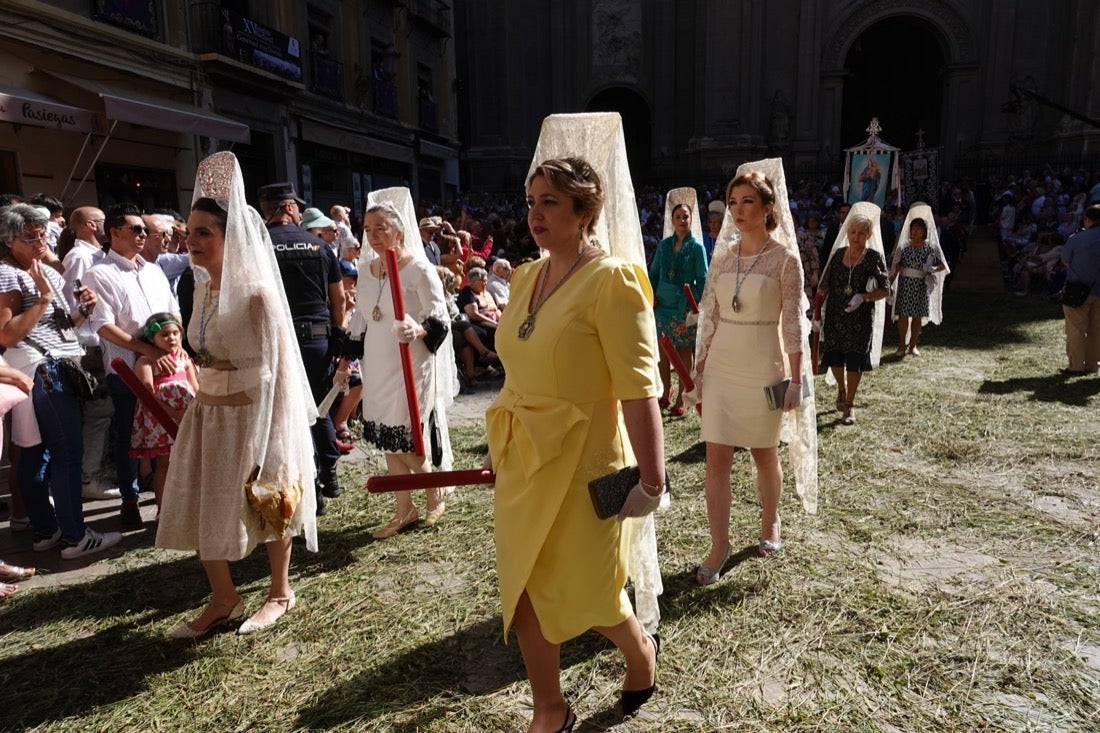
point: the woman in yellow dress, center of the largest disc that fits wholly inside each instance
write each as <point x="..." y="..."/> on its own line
<point x="579" y="402"/>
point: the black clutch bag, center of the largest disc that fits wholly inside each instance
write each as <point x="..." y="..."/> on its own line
<point x="776" y="393"/>
<point x="609" y="492"/>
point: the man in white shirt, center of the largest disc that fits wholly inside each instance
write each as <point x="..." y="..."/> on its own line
<point x="129" y="290"/>
<point x="157" y="247"/>
<point x="87" y="224"/>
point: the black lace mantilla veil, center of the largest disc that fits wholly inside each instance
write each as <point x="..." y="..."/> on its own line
<point x="799" y="428"/>
<point x="598" y="138"/>
<point x="280" y="442"/>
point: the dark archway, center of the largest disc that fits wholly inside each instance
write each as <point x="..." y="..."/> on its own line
<point x="637" y="127"/>
<point x="895" y="72"/>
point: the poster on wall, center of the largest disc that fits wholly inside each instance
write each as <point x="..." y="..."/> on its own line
<point x="307" y="183"/>
<point x="356" y="196"/>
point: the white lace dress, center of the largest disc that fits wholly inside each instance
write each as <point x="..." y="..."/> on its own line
<point x="386" y="421"/>
<point x="740" y="352"/>
<point x="219" y="443"/>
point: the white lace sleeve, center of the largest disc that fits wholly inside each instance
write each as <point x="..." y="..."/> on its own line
<point x="790" y="284"/>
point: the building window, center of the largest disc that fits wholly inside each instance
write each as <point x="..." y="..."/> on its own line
<point x="425" y="94"/>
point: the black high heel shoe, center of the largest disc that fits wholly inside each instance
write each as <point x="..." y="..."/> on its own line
<point x="567" y="724"/>
<point x="632" y="700"/>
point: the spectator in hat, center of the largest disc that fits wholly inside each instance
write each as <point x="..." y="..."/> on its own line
<point x="314" y="222"/>
<point x="430" y="226"/>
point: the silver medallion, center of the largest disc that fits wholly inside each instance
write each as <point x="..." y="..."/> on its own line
<point x="527" y="327"/>
<point x="736" y="304"/>
<point x="376" y="314"/>
<point x="204" y="358"/>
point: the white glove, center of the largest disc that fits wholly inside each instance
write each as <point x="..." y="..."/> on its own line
<point x="792" y="398"/>
<point x="407" y="330"/>
<point x="640" y="502"/>
<point x="342" y="380"/>
<point x="816" y="325"/>
<point x="855" y="302"/>
<point x="691" y="318"/>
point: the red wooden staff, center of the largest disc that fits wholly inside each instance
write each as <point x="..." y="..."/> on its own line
<point x="406" y="355"/>
<point x="126" y="374"/>
<point x="692" y="302"/>
<point x="434" y="480"/>
<point x="819" y="299"/>
<point x="674" y="359"/>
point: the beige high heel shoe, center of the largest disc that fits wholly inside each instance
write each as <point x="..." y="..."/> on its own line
<point x="251" y="625"/>
<point x="397" y="524"/>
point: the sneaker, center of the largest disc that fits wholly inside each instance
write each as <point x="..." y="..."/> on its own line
<point x="131" y="514"/>
<point x="92" y="543"/>
<point x="97" y="490"/>
<point x="41" y="544"/>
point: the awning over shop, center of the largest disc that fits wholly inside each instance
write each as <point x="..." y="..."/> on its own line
<point x="136" y="109"/>
<point x="23" y="107"/>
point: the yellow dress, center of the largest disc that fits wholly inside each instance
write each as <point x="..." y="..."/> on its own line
<point x="555" y="426"/>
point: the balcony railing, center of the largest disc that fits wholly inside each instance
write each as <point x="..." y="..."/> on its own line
<point x="219" y="30"/>
<point x="431" y="14"/>
<point x="328" y="77"/>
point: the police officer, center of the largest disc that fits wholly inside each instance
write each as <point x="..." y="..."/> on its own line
<point x="315" y="293"/>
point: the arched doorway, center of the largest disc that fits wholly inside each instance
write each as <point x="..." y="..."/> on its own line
<point x="637" y="126"/>
<point x="895" y="72"/>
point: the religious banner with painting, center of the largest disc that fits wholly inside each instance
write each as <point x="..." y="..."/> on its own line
<point x="920" y="175"/>
<point x="871" y="170"/>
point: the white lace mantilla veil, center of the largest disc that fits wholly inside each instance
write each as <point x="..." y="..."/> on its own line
<point x="921" y="210"/>
<point x="674" y="198"/>
<point x="874" y="213"/>
<point x="799" y="429"/>
<point x="249" y="266"/>
<point x="598" y="138"/>
<point x="446" y="384"/>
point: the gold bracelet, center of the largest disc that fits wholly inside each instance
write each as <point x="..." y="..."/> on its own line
<point x="646" y="488"/>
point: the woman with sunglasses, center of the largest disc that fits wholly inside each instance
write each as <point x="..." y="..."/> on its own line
<point x="38" y="329"/>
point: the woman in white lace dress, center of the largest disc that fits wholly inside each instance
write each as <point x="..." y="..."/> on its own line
<point x="752" y="336"/>
<point x="252" y="409"/>
<point x="375" y="330"/>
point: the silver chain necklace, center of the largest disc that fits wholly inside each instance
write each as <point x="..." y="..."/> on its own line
<point x="738" y="280"/>
<point x="528" y="326"/>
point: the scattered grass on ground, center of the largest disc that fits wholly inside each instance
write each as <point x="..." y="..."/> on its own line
<point x="948" y="582"/>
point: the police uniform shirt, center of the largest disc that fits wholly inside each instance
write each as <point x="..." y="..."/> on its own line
<point x="308" y="267"/>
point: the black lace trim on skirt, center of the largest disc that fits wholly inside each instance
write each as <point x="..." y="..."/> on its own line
<point x="389" y="438"/>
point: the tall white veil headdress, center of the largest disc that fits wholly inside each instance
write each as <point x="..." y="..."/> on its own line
<point x="598" y="138"/>
<point x="445" y="385"/>
<point x="874" y="213"/>
<point x="249" y="268"/>
<point x="921" y="210"/>
<point x="689" y="197"/>
<point x="799" y="429"/>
